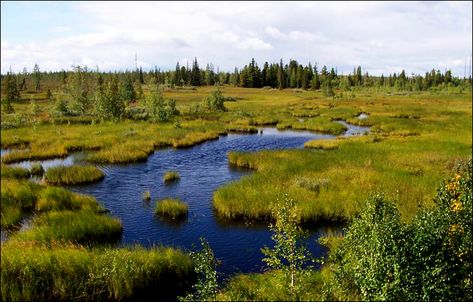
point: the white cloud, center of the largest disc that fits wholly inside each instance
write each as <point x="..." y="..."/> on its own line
<point x="254" y="44"/>
<point x="380" y="36"/>
<point x="59" y="29"/>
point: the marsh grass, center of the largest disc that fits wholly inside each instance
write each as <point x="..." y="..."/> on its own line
<point x="147" y="195"/>
<point x="80" y="227"/>
<point x="14" y="172"/>
<point x="171" y="176"/>
<point x="194" y="138"/>
<point x="270" y="286"/>
<point x="326" y="144"/>
<point x="57" y="198"/>
<point x="18" y="199"/>
<point x="73" y="175"/>
<point x="238" y="128"/>
<point x="65" y="272"/>
<point x="171" y="208"/>
<point x="37" y="169"/>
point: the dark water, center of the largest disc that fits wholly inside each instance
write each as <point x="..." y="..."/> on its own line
<point x="203" y="168"/>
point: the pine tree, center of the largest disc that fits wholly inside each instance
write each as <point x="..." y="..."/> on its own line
<point x="196" y="79"/>
<point x="37" y="77"/>
<point x="281" y="77"/>
<point x="11" y="92"/>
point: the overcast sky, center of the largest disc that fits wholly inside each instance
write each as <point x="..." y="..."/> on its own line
<point x="382" y="37"/>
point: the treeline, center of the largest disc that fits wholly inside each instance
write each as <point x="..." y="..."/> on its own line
<point x="274" y="75"/>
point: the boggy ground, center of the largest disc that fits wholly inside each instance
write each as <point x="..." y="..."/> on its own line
<point x="414" y="139"/>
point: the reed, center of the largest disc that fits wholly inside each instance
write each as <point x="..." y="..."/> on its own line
<point x="37" y="169"/>
<point x="14" y="172"/>
<point x="79" y="227"/>
<point x="73" y="175"/>
<point x="171" y="176"/>
<point x="171" y="208"/>
<point x="65" y="272"/>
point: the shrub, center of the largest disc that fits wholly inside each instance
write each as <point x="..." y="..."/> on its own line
<point x="382" y="258"/>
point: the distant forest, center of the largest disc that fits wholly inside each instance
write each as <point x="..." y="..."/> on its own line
<point x="274" y="75"/>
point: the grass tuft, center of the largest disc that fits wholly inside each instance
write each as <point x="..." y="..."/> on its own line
<point x="14" y="172"/>
<point x="171" y="208"/>
<point x="171" y="176"/>
<point x="73" y="175"/>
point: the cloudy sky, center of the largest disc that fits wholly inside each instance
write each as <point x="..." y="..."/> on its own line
<point x="382" y="37"/>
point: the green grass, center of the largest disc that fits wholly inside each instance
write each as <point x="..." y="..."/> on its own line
<point x="171" y="176"/>
<point x="14" y="172"/>
<point x="79" y="227"/>
<point x="171" y="208"/>
<point x="272" y="286"/>
<point x="37" y="169"/>
<point x="18" y="200"/>
<point x="56" y="198"/>
<point x="325" y="144"/>
<point x="73" y="175"/>
<point x="67" y="272"/>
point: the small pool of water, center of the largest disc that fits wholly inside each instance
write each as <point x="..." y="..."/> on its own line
<point x="203" y="168"/>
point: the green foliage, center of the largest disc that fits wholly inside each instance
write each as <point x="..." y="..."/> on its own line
<point x="288" y="253"/>
<point x="215" y="101"/>
<point x="73" y="175"/>
<point x="382" y="258"/>
<point x="158" y="109"/>
<point x="127" y="92"/>
<point x="109" y="104"/>
<point x="205" y="266"/>
<point x="49" y="94"/>
<point x="60" y="107"/>
<point x="10" y="90"/>
<point x="79" y="88"/>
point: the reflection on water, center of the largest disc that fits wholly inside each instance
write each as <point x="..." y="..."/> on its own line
<point x="203" y="168"/>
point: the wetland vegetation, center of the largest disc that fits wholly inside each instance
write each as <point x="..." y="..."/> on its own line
<point x="61" y="244"/>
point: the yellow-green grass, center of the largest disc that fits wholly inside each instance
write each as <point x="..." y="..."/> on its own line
<point x="325" y="144"/>
<point x="194" y="138"/>
<point x="318" y="124"/>
<point x="37" y="169"/>
<point x="171" y="176"/>
<point x="66" y="272"/>
<point x="79" y="227"/>
<point x="408" y="145"/>
<point x="147" y="195"/>
<point x="241" y="128"/>
<point x="407" y="167"/>
<point x="171" y="208"/>
<point x="273" y="286"/>
<point x="20" y="198"/>
<point x="57" y="198"/>
<point x="14" y="172"/>
<point x="73" y="175"/>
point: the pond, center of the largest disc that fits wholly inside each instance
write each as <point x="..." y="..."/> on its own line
<point x="203" y="168"/>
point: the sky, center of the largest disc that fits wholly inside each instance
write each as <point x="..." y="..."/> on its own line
<point x="382" y="37"/>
